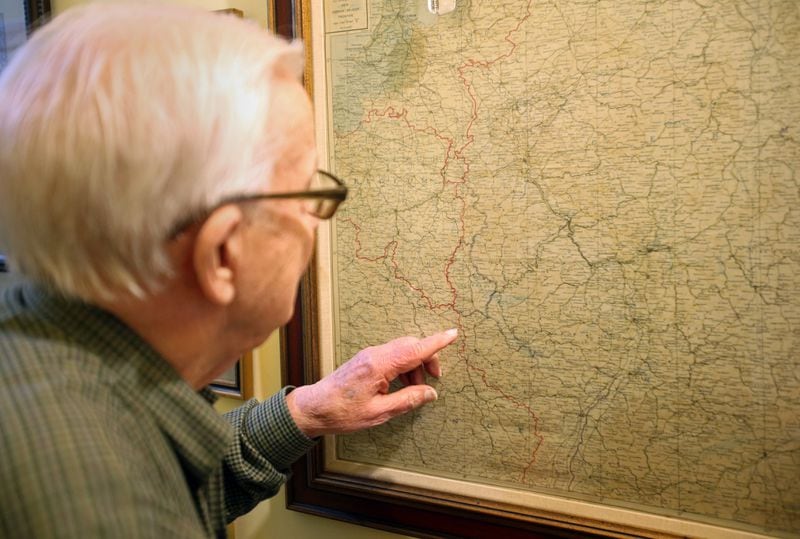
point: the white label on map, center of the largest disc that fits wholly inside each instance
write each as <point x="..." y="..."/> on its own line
<point x="345" y="15"/>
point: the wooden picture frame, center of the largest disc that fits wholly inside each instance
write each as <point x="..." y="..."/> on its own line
<point x="36" y="13"/>
<point x="379" y="497"/>
<point x="236" y="382"/>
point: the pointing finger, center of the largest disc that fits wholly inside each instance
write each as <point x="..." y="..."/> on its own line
<point x="405" y="354"/>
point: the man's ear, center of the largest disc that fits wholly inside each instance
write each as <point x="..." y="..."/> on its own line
<point x="218" y="254"/>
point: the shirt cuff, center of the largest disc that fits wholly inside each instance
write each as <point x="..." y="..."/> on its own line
<point x="275" y="433"/>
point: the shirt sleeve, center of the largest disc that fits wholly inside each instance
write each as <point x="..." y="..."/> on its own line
<point x="267" y="443"/>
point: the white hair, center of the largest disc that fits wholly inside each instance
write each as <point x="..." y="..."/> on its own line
<point x="119" y="120"/>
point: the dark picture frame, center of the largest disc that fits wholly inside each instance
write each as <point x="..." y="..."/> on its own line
<point x="36" y="13"/>
<point x="237" y="381"/>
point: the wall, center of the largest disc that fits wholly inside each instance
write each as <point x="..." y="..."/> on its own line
<point x="253" y="9"/>
<point x="270" y="518"/>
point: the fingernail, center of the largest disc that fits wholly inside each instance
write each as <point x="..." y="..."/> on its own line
<point x="451" y="332"/>
<point x="430" y="395"/>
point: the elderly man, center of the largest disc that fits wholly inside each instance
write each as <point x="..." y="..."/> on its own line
<point x="158" y="188"/>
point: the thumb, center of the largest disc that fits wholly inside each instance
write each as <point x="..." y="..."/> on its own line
<point x="409" y="398"/>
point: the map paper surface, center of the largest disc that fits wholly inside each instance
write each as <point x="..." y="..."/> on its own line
<point x="603" y="197"/>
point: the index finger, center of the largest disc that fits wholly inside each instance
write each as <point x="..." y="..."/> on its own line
<point x="406" y="354"/>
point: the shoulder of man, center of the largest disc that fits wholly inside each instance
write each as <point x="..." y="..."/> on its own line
<point x="80" y="459"/>
<point x="67" y="473"/>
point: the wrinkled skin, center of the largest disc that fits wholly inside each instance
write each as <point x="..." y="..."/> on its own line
<point x="356" y="395"/>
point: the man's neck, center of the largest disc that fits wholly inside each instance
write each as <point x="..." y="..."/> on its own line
<point x="187" y="333"/>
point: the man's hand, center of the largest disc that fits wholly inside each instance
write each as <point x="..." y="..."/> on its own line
<point x="356" y="395"/>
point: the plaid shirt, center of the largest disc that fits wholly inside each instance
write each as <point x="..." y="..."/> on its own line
<point x="100" y="437"/>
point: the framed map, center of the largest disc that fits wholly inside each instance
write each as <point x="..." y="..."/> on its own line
<point x="603" y="197"/>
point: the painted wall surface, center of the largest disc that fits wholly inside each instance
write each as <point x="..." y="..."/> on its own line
<point x="252" y="9"/>
<point x="270" y="518"/>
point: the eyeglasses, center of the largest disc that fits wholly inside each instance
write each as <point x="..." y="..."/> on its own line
<point x="326" y="193"/>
